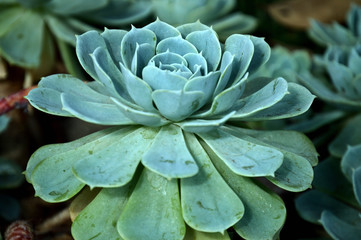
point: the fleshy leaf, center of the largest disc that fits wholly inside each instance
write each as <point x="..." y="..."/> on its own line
<point x="208" y="44"/>
<point x="296" y="173"/>
<point x="225" y="100"/>
<point x="15" y="42"/>
<point x="243" y="157"/>
<point x="160" y="218"/>
<point x="208" y="203"/>
<point x="265" y="212"/>
<point x="73" y="7"/>
<point x="350" y="135"/>
<point x="262" y="99"/>
<point x="162" y="30"/>
<point x="94" y="112"/>
<point x="139" y="116"/>
<point x="98" y="220"/>
<point x="293" y="104"/>
<point x="138" y="89"/>
<point x="131" y="39"/>
<point x="115" y="164"/>
<point x="204" y="125"/>
<point x="188" y="28"/>
<point x="177" y="45"/>
<point x="351" y="161"/>
<point x="242" y="48"/>
<point x="226" y="71"/>
<point x="177" y="105"/>
<point x="356" y="180"/>
<point x="50" y="168"/>
<point x="339" y="229"/>
<point x="194" y="60"/>
<point x="311" y="204"/>
<point x="262" y="53"/>
<point x="192" y="234"/>
<point x="113" y="39"/>
<point x="163" y="79"/>
<point x="169" y="156"/>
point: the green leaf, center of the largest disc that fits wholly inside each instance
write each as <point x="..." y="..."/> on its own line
<point x="192" y="234"/>
<point x="61" y="29"/>
<point x="226" y="71"/>
<point x="98" y="220"/>
<point x="312" y="204"/>
<point x="350" y="135"/>
<point x="154" y="205"/>
<point x="293" y="104"/>
<point x="338" y="228"/>
<point x="22" y="43"/>
<point x="162" y="79"/>
<point x="169" y="156"/>
<point x="356" y="180"/>
<point x="113" y="39"/>
<point x="73" y="7"/>
<point x="115" y="164"/>
<point x="10" y="174"/>
<point x="262" y="53"/>
<point x="330" y="180"/>
<point x="50" y="168"/>
<point x="265" y="212"/>
<point x="243" y="157"/>
<point x="351" y="161"/>
<point x="208" y="203"/>
<point x="234" y="23"/>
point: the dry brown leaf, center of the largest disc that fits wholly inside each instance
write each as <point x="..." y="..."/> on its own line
<point x="297" y="13"/>
<point x="81" y="201"/>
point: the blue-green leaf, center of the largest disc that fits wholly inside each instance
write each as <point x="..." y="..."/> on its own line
<point x="139" y="116"/>
<point x="350" y="135"/>
<point x="131" y="39"/>
<point x="267" y="96"/>
<point x="243" y="157"/>
<point x="226" y="71"/>
<point x="98" y="220"/>
<point x="169" y="156"/>
<point x="208" y="44"/>
<point x="177" y="105"/>
<point x="177" y="45"/>
<point x="351" y="161"/>
<point x="163" y="79"/>
<point x="154" y="205"/>
<point x="262" y="53"/>
<point x="113" y="39"/>
<point x="85" y="45"/>
<point x="356" y="180"/>
<point x="265" y="212"/>
<point x="115" y="164"/>
<point x="293" y="104"/>
<point x="208" y="203"/>
<point x="15" y="42"/>
<point x="162" y="30"/>
<point x="73" y="7"/>
<point x="338" y="228"/>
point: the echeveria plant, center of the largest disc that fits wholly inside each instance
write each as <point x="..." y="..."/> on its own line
<point x="336" y="34"/>
<point x="285" y="63"/>
<point x="177" y="98"/>
<point x="26" y="26"/>
<point x="336" y="200"/>
<point x="338" y="83"/>
<point x="210" y="12"/>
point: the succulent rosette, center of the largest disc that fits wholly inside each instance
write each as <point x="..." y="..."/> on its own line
<point x="336" y="198"/>
<point x="28" y="28"/>
<point x="337" y="34"/>
<point x="210" y="12"/>
<point x="176" y="155"/>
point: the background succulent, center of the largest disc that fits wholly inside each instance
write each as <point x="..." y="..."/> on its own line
<point x="336" y="34"/>
<point x="335" y="201"/>
<point x="210" y="12"/>
<point x="170" y="92"/>
<point x="28" y="28"/>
